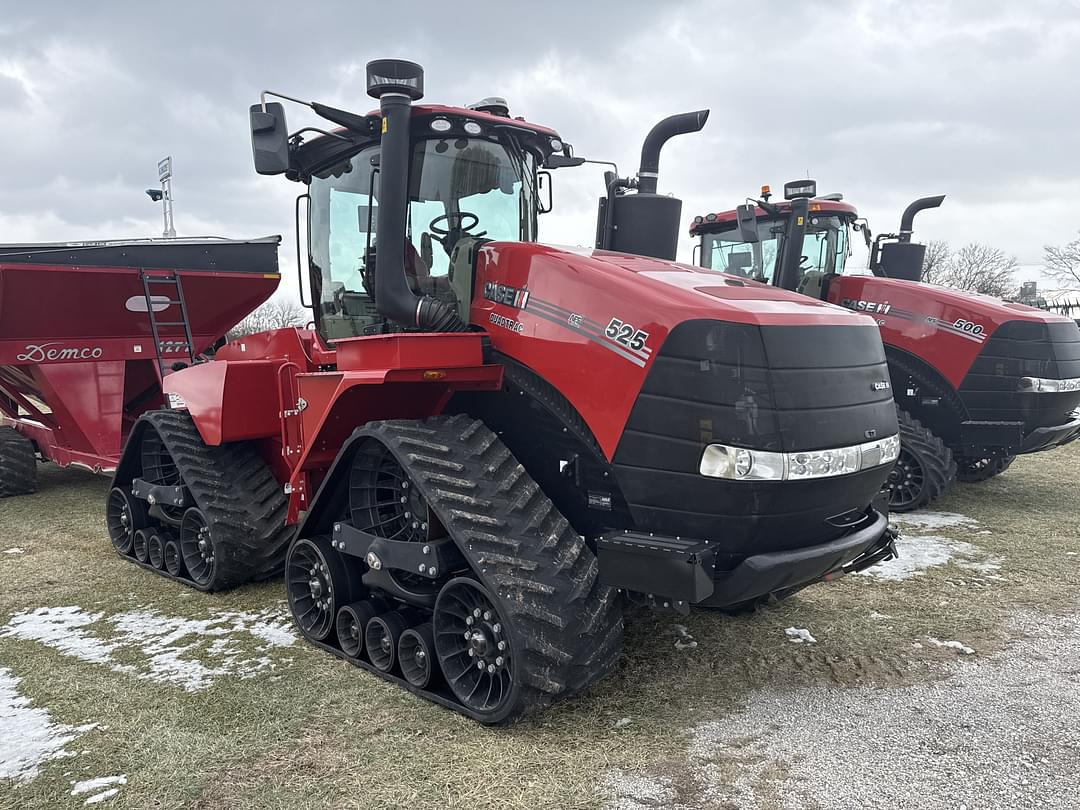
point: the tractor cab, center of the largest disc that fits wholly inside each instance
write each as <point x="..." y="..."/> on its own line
<point x="471" y="176"/>
<point x="753" y="240"/>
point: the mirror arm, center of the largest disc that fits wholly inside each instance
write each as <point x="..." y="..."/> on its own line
<point x="334" y="135"/>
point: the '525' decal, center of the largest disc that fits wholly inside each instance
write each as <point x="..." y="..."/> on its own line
<point x="627" y="335"/>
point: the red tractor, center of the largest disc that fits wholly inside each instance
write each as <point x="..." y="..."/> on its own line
<point x="487" y="444"/>
<point x="977" y="380"/>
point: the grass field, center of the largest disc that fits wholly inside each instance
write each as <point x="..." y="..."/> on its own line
<point x="210" y="701"/>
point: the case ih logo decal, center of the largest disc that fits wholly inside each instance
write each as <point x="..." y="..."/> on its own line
<point x="503" y="294"/>
<point x="57" y="352"/>
<point x="871" y="307"/>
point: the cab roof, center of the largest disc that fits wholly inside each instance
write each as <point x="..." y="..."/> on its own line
<point x="723" y="219"/>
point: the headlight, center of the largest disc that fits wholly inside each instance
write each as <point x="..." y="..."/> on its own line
<point x="744" y="464"/>
<point x="1040" y="385"/>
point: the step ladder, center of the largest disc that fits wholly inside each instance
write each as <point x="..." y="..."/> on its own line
<point x="178" y="343"/>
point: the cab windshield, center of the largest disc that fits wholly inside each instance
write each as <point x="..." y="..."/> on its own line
<point x="459" y="188"/>
<point x="825" y="249"/>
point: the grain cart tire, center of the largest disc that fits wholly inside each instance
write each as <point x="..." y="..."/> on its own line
<point x="924" y="469"/>
<point x="18" y="464"/>
<point x="973" y="470"/>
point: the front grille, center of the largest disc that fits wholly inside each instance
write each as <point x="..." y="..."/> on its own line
<point x="990" y="390"/>
<point x="779" y="388"/>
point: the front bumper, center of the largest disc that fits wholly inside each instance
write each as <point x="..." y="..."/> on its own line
<point x="676" y="572"/>
<point x="1011" y="439"/>
<point x="1045" y="438"/>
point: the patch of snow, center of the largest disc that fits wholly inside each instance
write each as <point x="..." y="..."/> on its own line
<point x="184" y="652"/>
<point x="100" y="797"/>
<point x="635" y="791"/>
<point x="28" y="735"/>
<point x="622" y="722"/>
<point x="14" y="550"/>
<point x="917" y="552"/>
<point x="799" y="634"/>
<point x="952" y="645"/>
<point x="91" y="785"/>
<point x="683" y="639"/>
<point x="875" y="615"/>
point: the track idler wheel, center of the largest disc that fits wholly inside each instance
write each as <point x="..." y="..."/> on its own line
<point x="352" y="621"/>
<point x="317" y="582"/>
<point x="140" y="546"/>
<point x="124" y="515"/>
<point x="975" y="470"/>
<point x="381" y="637"/>
<point x="473" y="646"/>
<point x="416" y="655"/>
<point x="197" y="549"/>
<point x="155" y="551"/>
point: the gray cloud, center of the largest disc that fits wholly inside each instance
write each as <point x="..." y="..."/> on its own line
<point x="883" y="101"/>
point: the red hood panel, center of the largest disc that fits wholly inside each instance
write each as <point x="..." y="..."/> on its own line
<point x="590" y="322"/>
<point x="944" y="327"/>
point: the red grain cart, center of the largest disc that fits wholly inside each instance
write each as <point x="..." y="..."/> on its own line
<point x="88" y="330"/>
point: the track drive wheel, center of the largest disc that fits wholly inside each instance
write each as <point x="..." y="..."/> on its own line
<point x="124" y="516"/>
<point x="973" y="470"/>
<point x="924" y="469"/>
<point x="18" y="464"/>
<point x="318" y="583"/>
<point x="197" y="549"/>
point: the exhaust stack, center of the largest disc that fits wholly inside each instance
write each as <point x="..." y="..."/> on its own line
<point x="397" y="84"/>
<point x="895" y="255"/>
<point x="645" y="223"/>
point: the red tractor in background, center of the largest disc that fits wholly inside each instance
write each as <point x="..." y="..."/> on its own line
<point x="977" y="380"/>
<point x="487" y="444"/>
<point x="89" y="329"/>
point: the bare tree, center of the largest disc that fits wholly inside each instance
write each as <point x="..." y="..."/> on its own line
<point x="277" y="313"/>
<point x="974" y="268"/>
<point x="1063" y="262"/>
<point x="937" y="257"/>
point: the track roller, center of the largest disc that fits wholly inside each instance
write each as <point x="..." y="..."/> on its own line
<point x="317" y="582"/>
<point x="124" y="515"/>
<point x="416" y="654"/>
<point x="140" y="545"/>
<point x="381" y="638"/>
<point x="352" y="620"/>
<point x="173" y="564"/>
<point x="155" y="551"/>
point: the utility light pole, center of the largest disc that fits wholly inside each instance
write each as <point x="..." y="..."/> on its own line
<point x="164" y="195"/>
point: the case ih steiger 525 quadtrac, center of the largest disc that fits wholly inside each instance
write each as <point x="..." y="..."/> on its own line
<point x="87" y="330"/>
<point x="977" y="380"/>
<point x="487" y="443"/>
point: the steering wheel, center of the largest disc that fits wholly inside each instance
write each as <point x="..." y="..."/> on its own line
<point x="455" y="222"/>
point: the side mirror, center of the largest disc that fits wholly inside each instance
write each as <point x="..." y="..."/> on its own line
<point x="544" y="202"/>
<point x="555" y="161"/>
<point x="747" y="219"/>
<point x="269" y="138"/>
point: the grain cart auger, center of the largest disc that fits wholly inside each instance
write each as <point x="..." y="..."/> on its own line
<point x="977" y="380"/>
<point x="487" y="443"/>
<point x="88" y="330"/>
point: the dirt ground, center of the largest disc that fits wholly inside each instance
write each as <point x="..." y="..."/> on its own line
<point x="948" y="678"/>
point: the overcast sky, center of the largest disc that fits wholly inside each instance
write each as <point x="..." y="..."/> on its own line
<point x="883" y="101"/>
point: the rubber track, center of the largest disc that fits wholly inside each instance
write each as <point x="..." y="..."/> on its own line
<point x="938" y="465"/>
<point x="240" y="498"/>
<point x="567" y="626"/>
<point x="18" y="464"/>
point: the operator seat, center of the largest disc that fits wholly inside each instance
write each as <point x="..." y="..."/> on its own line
<point x="811" y="283"/>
